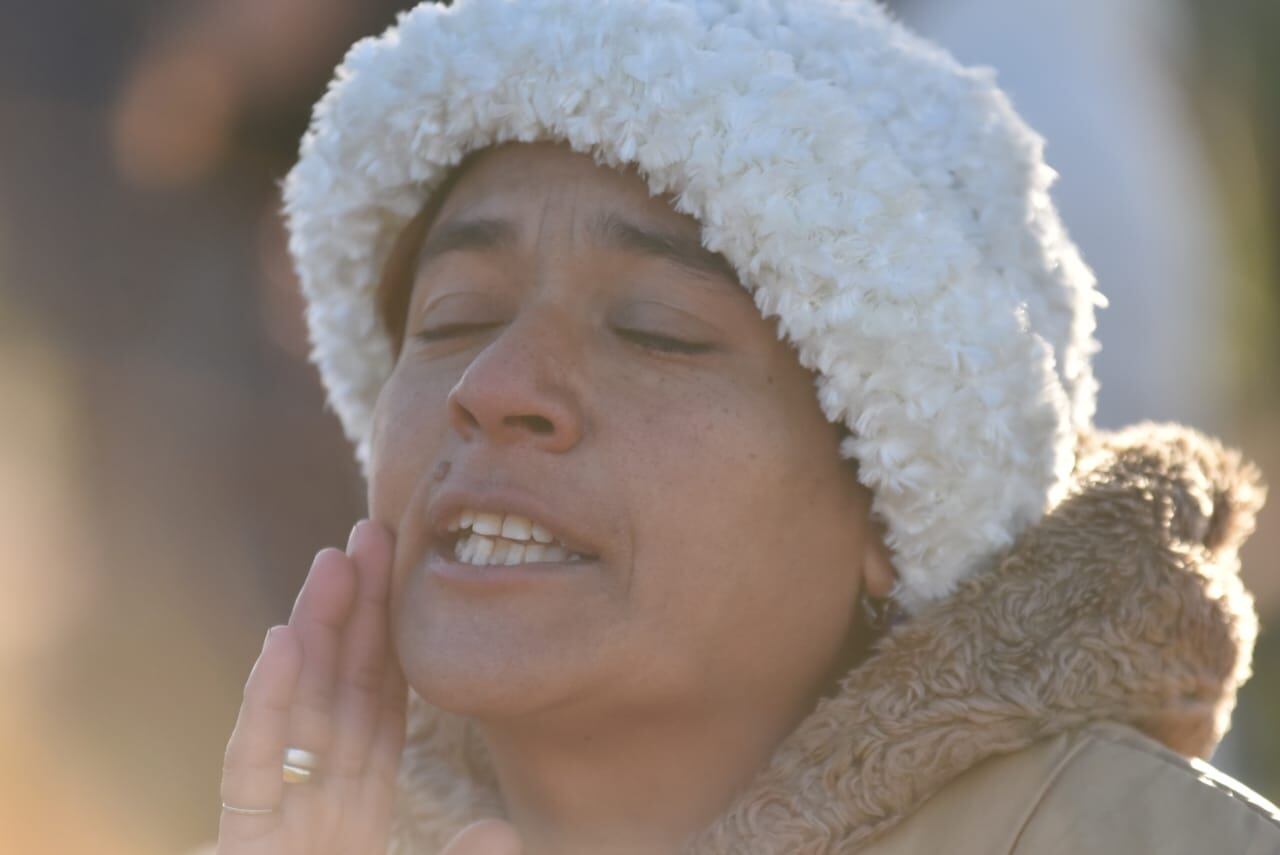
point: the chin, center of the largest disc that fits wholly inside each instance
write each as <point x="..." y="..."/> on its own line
<point x="486" y="674"/>
<point x="481" y="695"/>
<point x="500" y="656"/>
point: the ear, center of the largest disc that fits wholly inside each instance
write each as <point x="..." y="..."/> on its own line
<point x="878" y="575"/>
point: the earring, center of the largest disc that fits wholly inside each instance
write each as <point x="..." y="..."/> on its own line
<point x="879" y="615"/>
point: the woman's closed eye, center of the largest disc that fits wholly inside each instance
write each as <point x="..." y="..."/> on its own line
<point x="663" y="343"/>
<point x="658" y="326"/>
<point x="442" y="332"/>
<point x="643" y="338"/>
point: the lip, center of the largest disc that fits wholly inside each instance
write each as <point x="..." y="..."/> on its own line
<point x="450" y="502"/>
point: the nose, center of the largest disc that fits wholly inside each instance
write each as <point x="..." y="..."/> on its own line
<point x="518" y="389"/>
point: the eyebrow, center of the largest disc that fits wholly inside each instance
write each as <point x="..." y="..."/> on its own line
<point x="474" y="234"/>
<point x="609" y="230"/>
<point x="615" y="232"/>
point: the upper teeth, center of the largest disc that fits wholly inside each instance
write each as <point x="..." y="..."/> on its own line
<point x="505" y="539"/>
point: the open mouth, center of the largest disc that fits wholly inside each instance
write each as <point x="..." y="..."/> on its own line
<point x="484" y="538"/>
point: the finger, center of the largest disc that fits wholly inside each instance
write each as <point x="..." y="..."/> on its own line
<point x="366" y="649"/>
<point x="319" y="615"/>
<point x="486" y="837"/>
<point x="379" y="784"/>
<point x="388" y="741"/>
<point x="251" y="769"/>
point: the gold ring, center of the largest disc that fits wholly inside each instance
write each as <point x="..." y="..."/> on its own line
<point x="299" y="765"/>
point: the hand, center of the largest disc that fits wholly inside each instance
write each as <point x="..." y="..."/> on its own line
<point x="328" y="682"/>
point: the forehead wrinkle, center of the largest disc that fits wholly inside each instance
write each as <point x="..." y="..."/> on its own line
<point x="565" y="195"/>
<point x="593" y="224"/>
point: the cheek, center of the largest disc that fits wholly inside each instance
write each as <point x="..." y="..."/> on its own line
<point x="746" y="540"/>
<point x="407" y="442"/>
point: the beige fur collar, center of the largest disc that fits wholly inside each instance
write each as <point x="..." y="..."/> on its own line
<point x="1123" y="604"/>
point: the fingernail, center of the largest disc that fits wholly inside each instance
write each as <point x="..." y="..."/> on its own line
<point x="270" y="633"/>
<point x="351" y="539"/>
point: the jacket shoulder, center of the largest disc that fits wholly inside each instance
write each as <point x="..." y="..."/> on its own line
<point x="1105" y="789"/>
<point x="1120" y="792"/>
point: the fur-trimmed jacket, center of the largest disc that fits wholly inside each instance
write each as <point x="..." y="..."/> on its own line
<point x="1058" y="703"/>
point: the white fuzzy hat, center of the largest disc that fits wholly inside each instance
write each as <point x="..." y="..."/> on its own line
<point x="885" y="204"/>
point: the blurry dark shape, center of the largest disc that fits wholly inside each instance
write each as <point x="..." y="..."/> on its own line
<point x="66" y="51"/>
<point x="1234" y="81"/>
<point x="173" y="126"/>
<point x="177" y="112"/>
<point x="281" y="304"/>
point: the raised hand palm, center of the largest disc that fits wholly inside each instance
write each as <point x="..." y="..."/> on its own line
<point x="328" y="682"/>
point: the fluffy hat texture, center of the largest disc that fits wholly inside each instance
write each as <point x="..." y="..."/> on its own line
<point x="1122" y="604"/>
<point x="883" y="203"/>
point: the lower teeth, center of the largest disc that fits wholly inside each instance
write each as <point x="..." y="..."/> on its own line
<point x="484" y="550"/>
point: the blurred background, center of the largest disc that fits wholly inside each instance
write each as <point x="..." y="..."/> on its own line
<point x="168" y="468"/>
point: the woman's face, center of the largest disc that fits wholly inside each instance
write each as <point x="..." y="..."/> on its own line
<point x="573" y="358"/>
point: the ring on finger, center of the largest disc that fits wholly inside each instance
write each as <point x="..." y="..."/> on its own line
<point x="299" y="765"/>
<point x="247" y="811"/>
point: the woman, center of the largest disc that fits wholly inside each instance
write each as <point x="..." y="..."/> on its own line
<point x="574" y="269"/>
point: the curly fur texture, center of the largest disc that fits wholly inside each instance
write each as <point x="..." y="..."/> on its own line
<point x="883" y="203"/>
<point x="1123" y="604"/>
